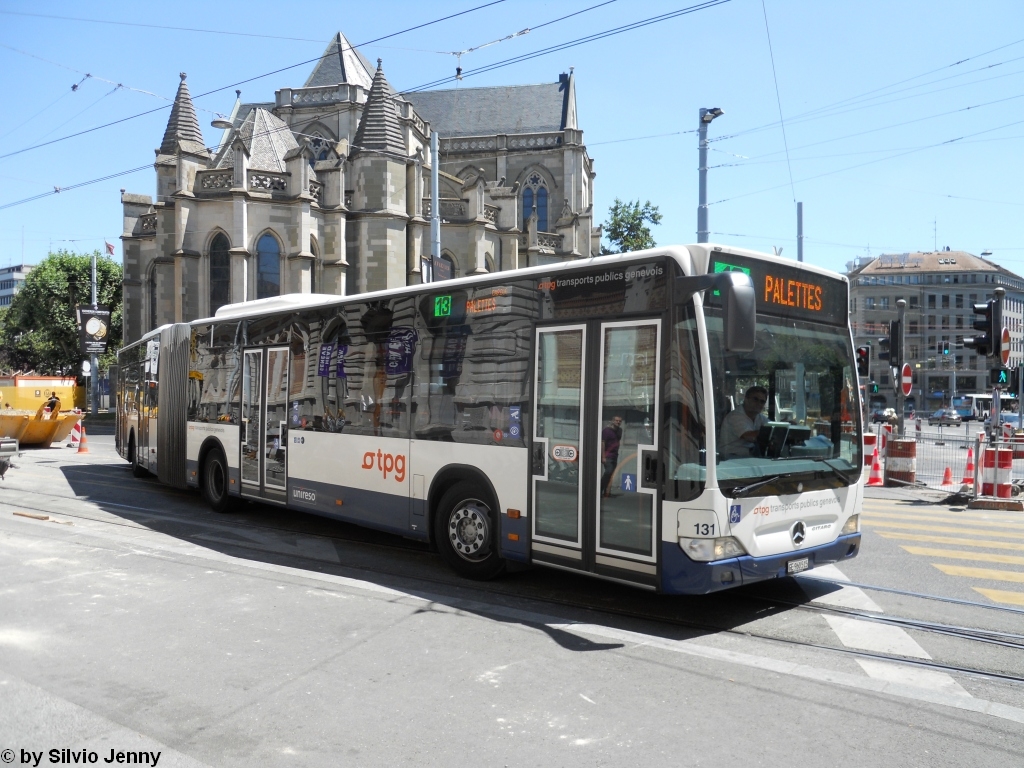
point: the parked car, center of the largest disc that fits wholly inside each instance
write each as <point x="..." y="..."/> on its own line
<point x="878" y="416"/>
<point x="944" y="417"/>
<point x="1013" y="419"/>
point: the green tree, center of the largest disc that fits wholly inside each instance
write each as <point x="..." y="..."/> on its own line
<point x="626" y="228"/>
<point x="39" y="330"/>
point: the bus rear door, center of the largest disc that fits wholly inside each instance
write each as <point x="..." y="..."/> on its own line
<point x="594" y="485"/>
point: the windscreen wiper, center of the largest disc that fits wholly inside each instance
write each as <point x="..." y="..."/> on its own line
<point x="836" y="471"/>
<point x="751" y="486"/>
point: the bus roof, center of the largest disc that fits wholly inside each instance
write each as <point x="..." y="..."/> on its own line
<point x="692" y="259"/>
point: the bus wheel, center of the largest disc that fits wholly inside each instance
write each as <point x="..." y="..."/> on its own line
<point x="133" y="457"/>
<point x="215" y="482"/>
<point x="466" y="532"/>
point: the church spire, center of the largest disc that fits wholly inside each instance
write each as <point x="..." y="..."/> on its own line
<point x="183" y="125"/>
<point x="380" y="128"/>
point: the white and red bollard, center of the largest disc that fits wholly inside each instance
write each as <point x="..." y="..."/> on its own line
<point x="76" y="435"/>
<point x="1004" y="468"/>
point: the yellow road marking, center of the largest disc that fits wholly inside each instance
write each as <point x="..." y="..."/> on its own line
<point x="944" y="519"/>
<point x="943" y="529"/>
<point x="956" y="554"/>
<point x="991" y="574"/>
<point x="952" y="540"/>
<point x="981" y="515"/>
<point x="1002" y="595"/>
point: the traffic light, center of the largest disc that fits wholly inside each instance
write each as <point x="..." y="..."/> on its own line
<point x="1007" y="378"/>
<point x="864" y="361"/>
<point x="945" y="347"/>
<point x="891" y="345"/>
<point x="989" y="343"/>
<point x="1000" y="377"/>
<point x="874" y="388"/>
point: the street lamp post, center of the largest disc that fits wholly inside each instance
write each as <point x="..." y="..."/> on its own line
<point x="706" y="116"/>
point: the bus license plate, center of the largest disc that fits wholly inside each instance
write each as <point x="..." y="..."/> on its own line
<point x="796" y="566"/>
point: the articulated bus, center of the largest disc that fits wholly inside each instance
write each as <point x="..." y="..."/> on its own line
<point x="570" y="416"/>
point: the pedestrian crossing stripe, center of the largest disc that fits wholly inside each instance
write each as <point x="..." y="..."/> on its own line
<point x="987" y="516"/>
<point x="945" y="519"/>
<point x="1016" y="547"/>
<point x="992" y="574"/>
<point x="941" y="529"/>
<point x="1002" y="595"/>
<point x="955" y="554"/>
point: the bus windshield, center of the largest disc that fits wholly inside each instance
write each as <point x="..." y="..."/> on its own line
<point x="786" y="415"/>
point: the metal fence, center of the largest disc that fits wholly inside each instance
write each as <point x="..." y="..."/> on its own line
<point x="948" y="458"/>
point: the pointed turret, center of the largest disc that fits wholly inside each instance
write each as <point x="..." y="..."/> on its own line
<point x="340" y="63"/>
<point x="183" y="125"/>
<point x="380" y="129"/>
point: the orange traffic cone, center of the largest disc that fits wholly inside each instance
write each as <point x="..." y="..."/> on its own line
<point x="875" y="478"/>
<point x="947" y="477"/>
<point x="82" y="447"/>
<point x="969" y="469"/>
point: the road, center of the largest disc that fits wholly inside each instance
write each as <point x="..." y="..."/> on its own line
<point x="133" y="619"/>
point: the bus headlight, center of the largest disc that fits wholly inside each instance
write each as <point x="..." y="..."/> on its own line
<point x="706" y="550"/>
<point x="851" y="526"/>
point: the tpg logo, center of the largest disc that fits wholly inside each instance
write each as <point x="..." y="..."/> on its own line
<point x="386" y="463"/>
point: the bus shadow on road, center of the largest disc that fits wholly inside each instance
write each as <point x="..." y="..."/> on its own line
<point x="271" y="535"/>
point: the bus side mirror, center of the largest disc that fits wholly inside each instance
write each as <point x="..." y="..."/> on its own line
<point x="739" y="310"/>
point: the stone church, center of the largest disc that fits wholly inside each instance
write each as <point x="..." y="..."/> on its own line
<point x="327" y="190"/>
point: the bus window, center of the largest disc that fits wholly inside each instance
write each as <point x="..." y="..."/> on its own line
<point x="684" y="408"/>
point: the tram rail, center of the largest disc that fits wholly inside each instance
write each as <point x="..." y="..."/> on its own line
<point x="973" y="634"/>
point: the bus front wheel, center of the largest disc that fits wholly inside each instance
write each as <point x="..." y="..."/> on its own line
<point x="215" y="482"/>
<point x="465" y="529"/>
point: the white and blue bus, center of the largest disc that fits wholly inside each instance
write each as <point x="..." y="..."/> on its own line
<point x="567" y="415"/>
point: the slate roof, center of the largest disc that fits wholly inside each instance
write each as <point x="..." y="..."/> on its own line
<point x="379" y="129"/>
<point x="182" y="125"/>
<point x="340" y="63"/>
<point x="926" y="261"/>
<point x="267" y="138"/>
<point x="500" y="109"/>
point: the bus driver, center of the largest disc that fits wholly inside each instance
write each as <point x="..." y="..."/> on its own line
<point x="741" y="425"/>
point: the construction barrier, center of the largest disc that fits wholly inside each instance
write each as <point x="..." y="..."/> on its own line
<point x="901" y="463"/>
<point x="870" y="444"/>
<point x="988" y="472"/>
<point x="1004" y="469"/>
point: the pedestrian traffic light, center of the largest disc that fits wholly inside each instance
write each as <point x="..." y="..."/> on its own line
<point x="864" y="361"/>
<point x="874" y="388"/>
<point x="945" y="347"/>
<point x="990" y="341"/>
<point x="1000" y="377"/>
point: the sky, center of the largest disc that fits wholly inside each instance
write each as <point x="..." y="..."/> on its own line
<point x="898" y="125"/>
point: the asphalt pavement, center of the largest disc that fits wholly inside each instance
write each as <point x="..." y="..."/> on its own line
<point x="134" y="620"/>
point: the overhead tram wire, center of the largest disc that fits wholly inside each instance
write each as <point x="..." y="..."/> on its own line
<point x="59" y="190"/>
<point x="778" y="100"/>
<point x="247" y="80"/>
<point x="507" y="62"/>
<point x="573" y="43"/>
<point x="871" y="162"/>
<point x="496" y="65"/>
<point x="899" y="125"/>
<point x="843" y="102"/>
<point x="870" y="104"/>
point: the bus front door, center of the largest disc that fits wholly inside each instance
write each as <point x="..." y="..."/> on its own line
<point x="595" y="467"/>
<point x="264" y="434"/>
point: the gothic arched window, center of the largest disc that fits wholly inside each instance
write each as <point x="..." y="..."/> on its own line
<point x="268" y="267"/>
<point x="318" y="146"/>
<point x="535" y="190"/>
<point x="220" y="273"/>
